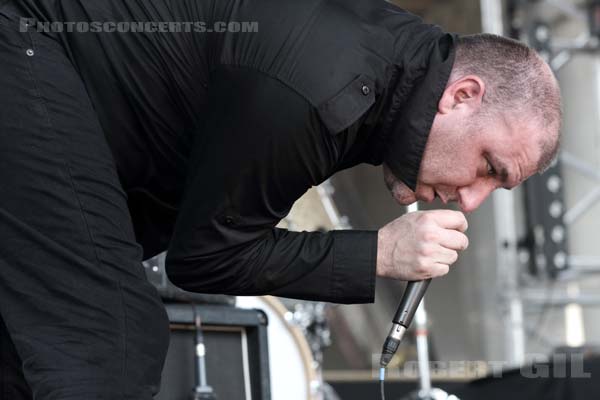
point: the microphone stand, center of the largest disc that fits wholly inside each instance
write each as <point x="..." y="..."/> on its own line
<point x="421" y="335"/>
<point x="202" y="391"/>
<point x="425" y="391"/>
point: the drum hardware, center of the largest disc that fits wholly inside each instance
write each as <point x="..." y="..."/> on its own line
<point x="326" y="191"/>
<point x="311" y="317"/>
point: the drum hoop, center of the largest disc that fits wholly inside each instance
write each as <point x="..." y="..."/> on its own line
<point x="300" y="340"/>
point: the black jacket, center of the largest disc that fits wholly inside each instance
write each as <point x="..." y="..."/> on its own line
<point x="215" y="135"/>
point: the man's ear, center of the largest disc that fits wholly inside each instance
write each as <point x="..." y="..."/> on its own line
<point x="467" y="91"/>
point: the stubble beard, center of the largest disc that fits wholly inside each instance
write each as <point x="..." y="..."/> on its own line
<point x="399" y="191"/>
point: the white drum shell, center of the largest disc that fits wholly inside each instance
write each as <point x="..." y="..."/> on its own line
<point x="291" y="364"/>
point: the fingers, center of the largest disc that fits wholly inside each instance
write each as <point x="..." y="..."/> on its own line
<point x="446" y="256"/>
<point x="439" y="270"/>
<point x="434" y="271"/>
<point x="421" y="245"/>
<point x="453" y="240"/>
<point x="449" y="219"/>
<point x="436" y="254"/>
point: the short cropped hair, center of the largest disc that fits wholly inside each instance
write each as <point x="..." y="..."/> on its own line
<point x="517" y="79"/>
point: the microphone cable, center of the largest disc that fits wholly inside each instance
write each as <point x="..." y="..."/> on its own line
<point x="382" y="382"/>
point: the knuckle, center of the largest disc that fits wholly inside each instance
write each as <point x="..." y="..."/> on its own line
<point x="430" y="236"/>
<point x="424" y="217"/>
<point x="424" y="250"/>
<point x="421" y="265"/>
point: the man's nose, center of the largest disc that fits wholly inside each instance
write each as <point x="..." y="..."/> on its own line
<point x="471" y="197"/>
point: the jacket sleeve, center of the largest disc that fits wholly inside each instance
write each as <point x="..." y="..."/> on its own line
<point x="259" y="153"/>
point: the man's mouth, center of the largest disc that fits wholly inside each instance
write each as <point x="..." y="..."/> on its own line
<point x="420" y="197"/>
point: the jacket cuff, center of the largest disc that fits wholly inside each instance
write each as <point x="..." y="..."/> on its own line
<point x="354" y="266"/>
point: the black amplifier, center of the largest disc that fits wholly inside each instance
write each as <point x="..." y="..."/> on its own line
<point x="235" y="353"/>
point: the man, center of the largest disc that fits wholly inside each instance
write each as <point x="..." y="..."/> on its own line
<point x="198" y="143"/>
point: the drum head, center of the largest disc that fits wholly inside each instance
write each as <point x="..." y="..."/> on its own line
<point x="291" y="363"/>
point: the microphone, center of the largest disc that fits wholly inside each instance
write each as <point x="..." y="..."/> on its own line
<point x="411" y="299"/>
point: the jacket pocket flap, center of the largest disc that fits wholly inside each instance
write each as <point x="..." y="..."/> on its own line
<point x="343" y="109"/>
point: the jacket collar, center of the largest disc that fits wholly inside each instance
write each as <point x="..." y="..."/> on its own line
<point x="416" y="83"/>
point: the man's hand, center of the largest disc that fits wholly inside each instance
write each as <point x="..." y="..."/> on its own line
<point x="421" y="245"/>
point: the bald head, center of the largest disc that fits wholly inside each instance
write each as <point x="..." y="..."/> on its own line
<point x="518" y="82"/>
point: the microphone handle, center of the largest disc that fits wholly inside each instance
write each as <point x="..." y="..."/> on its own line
<point x="413" y="294"/>
<point x="411" y="299"/>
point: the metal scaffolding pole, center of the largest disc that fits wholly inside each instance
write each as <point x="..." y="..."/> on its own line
<point x="506" y="233"/>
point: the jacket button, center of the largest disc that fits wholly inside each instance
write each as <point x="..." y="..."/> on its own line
<point x="365" y="90"/>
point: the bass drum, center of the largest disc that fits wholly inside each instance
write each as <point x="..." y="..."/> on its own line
<point x="291" y="364"/>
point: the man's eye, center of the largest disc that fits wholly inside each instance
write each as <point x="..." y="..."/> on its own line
<point x="490" y="169"/>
